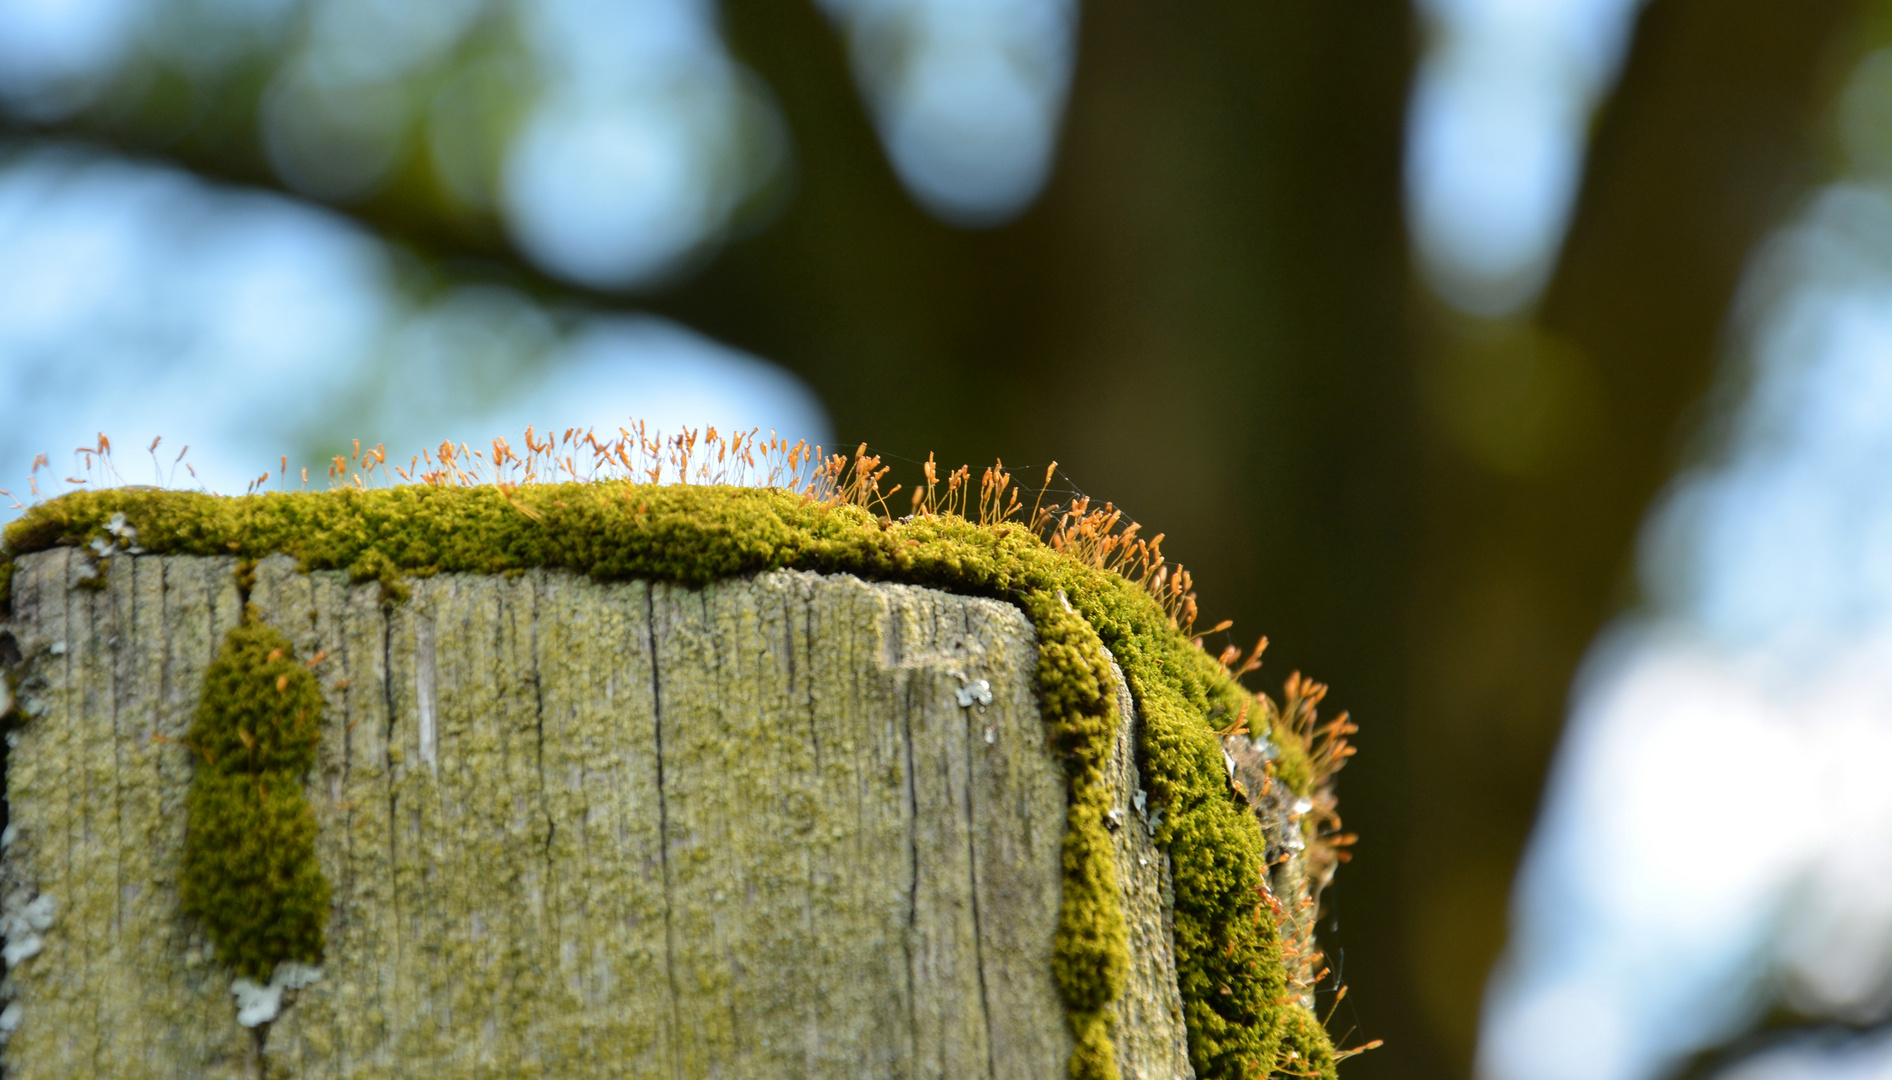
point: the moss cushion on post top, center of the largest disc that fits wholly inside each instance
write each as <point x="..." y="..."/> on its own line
<point x="1245" y="1015"/>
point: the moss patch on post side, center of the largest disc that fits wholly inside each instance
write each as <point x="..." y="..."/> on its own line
<point x="1242" y="1018"/>
<point x="250" y="873"/>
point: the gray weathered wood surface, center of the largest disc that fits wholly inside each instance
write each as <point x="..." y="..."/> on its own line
<point x="574" y="830"/>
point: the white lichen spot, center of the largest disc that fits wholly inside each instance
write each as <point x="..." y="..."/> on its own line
<point x="10" y="1018"/>
<point x="296" y="976"/>
<point x="125" y="533"/>
<point x="256" y="1004"/>
<point x="31" y="706"/>
<point x="259" y="1004"/>
<point x="8" y="834"/>
<point x="125" y="539"/>
<point x="57" y="648"/>
<point x="23" y="920"/>
<point x="977" y="692"/>
<point x="424" y="690"/>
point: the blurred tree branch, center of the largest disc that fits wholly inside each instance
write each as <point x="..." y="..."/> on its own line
<point x="1780" y="1028"/>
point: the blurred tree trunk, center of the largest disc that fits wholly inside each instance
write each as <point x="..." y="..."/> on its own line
<point x="1707" y="143"/>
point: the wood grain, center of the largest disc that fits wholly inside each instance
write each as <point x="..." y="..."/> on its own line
<point x="574" y="829"/>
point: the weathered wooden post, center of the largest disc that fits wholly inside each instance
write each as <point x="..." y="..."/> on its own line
<point x="611" y="780"/>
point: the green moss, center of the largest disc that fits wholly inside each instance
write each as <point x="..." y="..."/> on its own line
<point x="250" y="873"/>
<point x="1242" y="1021"/>
<point x="1306" y="1049"/>
<point x="1091" y="957"/>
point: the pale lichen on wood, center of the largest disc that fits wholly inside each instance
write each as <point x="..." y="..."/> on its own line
<point x="575" y="829"/>
<point x="96" y="781"/>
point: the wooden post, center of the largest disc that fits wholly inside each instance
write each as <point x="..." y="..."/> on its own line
<point x="783" y="825"/>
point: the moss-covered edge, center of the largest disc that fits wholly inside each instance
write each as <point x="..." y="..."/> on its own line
<point x="1242" y="1019"/>
<point x="250" y="873"/>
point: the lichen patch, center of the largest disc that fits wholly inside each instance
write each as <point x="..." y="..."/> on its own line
<point x="259" y="1003"/>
